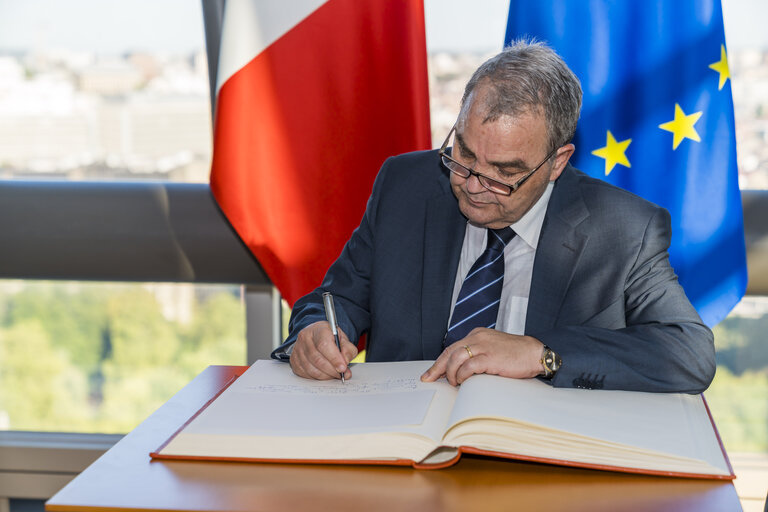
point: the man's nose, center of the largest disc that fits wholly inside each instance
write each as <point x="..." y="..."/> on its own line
<point x="474" y="186"/>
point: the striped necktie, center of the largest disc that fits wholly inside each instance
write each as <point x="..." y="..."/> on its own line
<point x="478" y="302"/>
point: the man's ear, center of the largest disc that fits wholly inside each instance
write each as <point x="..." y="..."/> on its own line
<point x="561" y="160"/>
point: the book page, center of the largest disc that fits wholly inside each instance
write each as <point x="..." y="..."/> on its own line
<point x="383" y="411"/>
<point x="659" y="423"/>
<point x="269" y="399"/>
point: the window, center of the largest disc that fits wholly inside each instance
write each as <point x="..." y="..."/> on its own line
<point x="95" y="90"/>
<point x="100" y="357"/>
<point x="738" y="397"/>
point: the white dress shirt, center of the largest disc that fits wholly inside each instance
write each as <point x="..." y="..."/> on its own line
<point x="518" y="264"/>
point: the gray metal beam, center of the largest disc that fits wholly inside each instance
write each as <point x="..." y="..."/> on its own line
<point x="755" y="205"/>
<point x="35" y="465"/>
<point x="171" y="232"/>
<point x="126" y="231"/>
<point x="263" y="321"/>
<point x="213" y="17"/>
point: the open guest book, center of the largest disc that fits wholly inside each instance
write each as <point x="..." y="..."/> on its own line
<point x="385" y="415"/>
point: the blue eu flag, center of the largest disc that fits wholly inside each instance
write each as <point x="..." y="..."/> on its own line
<point x="657" y="120"/>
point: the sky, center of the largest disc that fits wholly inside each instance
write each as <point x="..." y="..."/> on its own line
<point x="115" y="26"/>
<point x="481" y="24"/>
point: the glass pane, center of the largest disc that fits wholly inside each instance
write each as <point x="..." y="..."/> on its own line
<point x="100" y="357"/>
<point x="738" y="397"/>
<point x="93" y="90"/>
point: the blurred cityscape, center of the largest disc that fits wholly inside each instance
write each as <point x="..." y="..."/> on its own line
<point x="70" y="115"/>
<point x="75" y="115"/>
<point x="749" y="77"/>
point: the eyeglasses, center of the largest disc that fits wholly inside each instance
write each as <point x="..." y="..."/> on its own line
<point x="495" y="186"/>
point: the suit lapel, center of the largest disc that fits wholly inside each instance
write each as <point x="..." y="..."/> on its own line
<point x="443" y="235"/>
<point x="560" y="247"/>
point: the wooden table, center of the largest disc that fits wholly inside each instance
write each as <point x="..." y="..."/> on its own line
<point x="125" y="478"/>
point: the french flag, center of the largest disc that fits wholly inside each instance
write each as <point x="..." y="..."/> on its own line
<point x="312" y="96"/>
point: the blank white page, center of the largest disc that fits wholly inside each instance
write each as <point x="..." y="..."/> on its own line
<point x="269" y="400"/>
<point x="671" y="423"/>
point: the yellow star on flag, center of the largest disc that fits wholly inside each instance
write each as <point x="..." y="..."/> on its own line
<point x="613" y="152"/>
<point x="682" y="126"/>
<point x="722" y="67"/>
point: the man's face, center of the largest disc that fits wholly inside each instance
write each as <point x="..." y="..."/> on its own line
<point x="505" y="149"/>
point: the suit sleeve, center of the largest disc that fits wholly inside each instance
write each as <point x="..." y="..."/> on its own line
<point x="664" y="346"/>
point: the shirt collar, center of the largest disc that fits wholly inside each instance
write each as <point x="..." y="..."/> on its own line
<point x="529" y="226"/>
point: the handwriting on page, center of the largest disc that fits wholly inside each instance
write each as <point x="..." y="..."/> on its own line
<point x="336" y="388"/>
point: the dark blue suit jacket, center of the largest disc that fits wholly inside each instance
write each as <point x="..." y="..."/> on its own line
<point x="603" y="295"/>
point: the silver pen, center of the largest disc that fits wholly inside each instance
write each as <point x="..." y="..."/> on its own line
<point x="330" y="314"/>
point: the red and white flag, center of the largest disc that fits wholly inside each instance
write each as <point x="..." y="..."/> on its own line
<point x="312" y="97"/>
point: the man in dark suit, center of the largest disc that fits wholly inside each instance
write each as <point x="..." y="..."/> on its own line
<point x="578" y="292"/>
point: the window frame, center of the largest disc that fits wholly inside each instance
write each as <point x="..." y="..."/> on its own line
<point x="169" y="232"/>
<point x="121" y="231"/>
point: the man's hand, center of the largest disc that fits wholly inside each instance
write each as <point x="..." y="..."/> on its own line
<point x="315" y="355"/>
<point x="488" y="351"/>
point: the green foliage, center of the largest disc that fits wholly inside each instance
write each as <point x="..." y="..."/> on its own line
<point x="39" y="388"/>
<point x="130" y="395"/>
<point x="738" y="396"/>
<point x="219" y="322"/>
<point x="286" y="316"/>
<point x="73" y="319"/>
<point x="215" y="336"/>
<point x="138" y="335"/>
<point x="741" y="344"/>
<point x="98" y="358"/>
<point x="740" y="408"/>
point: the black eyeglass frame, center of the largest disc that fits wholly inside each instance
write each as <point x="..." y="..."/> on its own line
<point x="504" y="189"/>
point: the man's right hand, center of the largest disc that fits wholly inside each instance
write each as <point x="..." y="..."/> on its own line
<point x="315" y="355"/>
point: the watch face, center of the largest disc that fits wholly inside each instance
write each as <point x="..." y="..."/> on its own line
<point x="552" y="361"/>
<point x="556" y="362"/>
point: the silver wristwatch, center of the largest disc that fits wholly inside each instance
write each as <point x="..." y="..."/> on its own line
<point x="550" y="361"/>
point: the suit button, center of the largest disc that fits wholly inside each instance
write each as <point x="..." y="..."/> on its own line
<point x="599" y="382"/>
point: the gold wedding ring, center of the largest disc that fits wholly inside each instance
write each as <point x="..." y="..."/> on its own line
<point x="466" y="347"/>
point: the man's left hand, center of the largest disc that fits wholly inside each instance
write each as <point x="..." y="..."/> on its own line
<point x="488" y="351"/>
